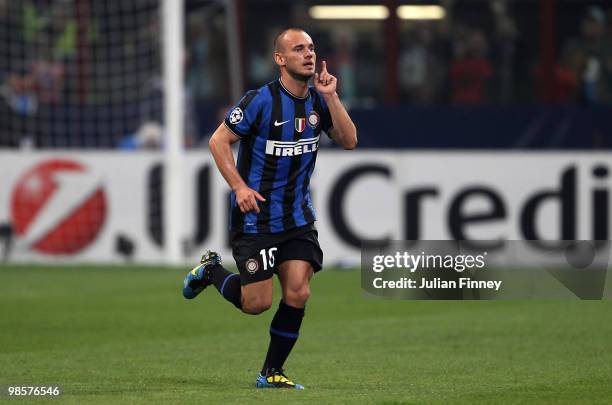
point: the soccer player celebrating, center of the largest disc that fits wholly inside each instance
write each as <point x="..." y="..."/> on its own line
<point x="272" y="216"/>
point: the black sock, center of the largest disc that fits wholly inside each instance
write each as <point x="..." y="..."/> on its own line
<point x="284" y="331"/>
<point x="228" y="284"/>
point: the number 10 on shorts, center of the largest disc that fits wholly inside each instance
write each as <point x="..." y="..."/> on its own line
<point x="267" y="257"/>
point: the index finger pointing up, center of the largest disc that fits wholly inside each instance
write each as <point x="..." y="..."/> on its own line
<point x="323" y="66"/>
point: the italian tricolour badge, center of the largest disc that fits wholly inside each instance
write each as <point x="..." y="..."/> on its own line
<point x="300" y="124"/>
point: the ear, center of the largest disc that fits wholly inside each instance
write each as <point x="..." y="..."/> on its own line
<point x="279" y="59"/>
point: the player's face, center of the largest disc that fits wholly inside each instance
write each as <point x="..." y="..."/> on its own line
<point x="298" y="55"/>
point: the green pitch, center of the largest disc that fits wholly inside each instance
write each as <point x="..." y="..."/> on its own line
<point x="125" y="334"/>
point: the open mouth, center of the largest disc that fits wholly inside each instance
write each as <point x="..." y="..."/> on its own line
<point x="309" y="64"/>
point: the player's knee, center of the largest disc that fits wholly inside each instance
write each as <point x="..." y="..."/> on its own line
<point x="297" y="297"/>
<point x="255" y="306"/>
<point x="303" y="295"/>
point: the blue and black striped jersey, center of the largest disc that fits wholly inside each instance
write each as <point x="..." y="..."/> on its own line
<point x="279" y="137"/>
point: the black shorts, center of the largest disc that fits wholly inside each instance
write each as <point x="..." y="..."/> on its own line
<point x="258" y="255"/>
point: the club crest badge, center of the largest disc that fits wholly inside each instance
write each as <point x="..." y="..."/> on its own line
<point x="313" y="119"/>
<point x="300" y="124"/>
<point x="252" y="266"/>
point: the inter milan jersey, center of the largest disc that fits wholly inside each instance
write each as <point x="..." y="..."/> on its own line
<point x="279" y="137"/>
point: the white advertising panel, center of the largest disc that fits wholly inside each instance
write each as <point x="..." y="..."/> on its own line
<point x="106" y="207"/>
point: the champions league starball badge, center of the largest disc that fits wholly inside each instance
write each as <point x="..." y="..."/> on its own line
<point x="236" y="116"/>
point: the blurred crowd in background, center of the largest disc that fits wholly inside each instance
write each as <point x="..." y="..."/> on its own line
<point x="93" y="69"/>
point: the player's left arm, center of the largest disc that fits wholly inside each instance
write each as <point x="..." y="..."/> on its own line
<point x="344" y="131"/>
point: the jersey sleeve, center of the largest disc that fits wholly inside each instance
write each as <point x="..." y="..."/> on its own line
<point x="242" y="117"/>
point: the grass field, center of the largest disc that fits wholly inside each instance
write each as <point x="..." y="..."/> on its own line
<point x="126" y="335"/>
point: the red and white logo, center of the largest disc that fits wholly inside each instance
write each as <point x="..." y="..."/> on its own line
<point x="58" y="207"/>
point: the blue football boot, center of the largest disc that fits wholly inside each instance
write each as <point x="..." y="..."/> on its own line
<point x="200" y="276"/>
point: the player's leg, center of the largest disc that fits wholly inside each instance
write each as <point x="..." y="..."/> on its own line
<point x="257" y="297"/>
<point x="247" y="286"/>
<point x="294" y="276"/>
<point x="228" y="285"/>
<point x="256" y="277"/>
<point x="201" y="276"/>
<point x="210" y="271"/>
<point x="299" y="258"/>
<point x="253" y="298"/>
